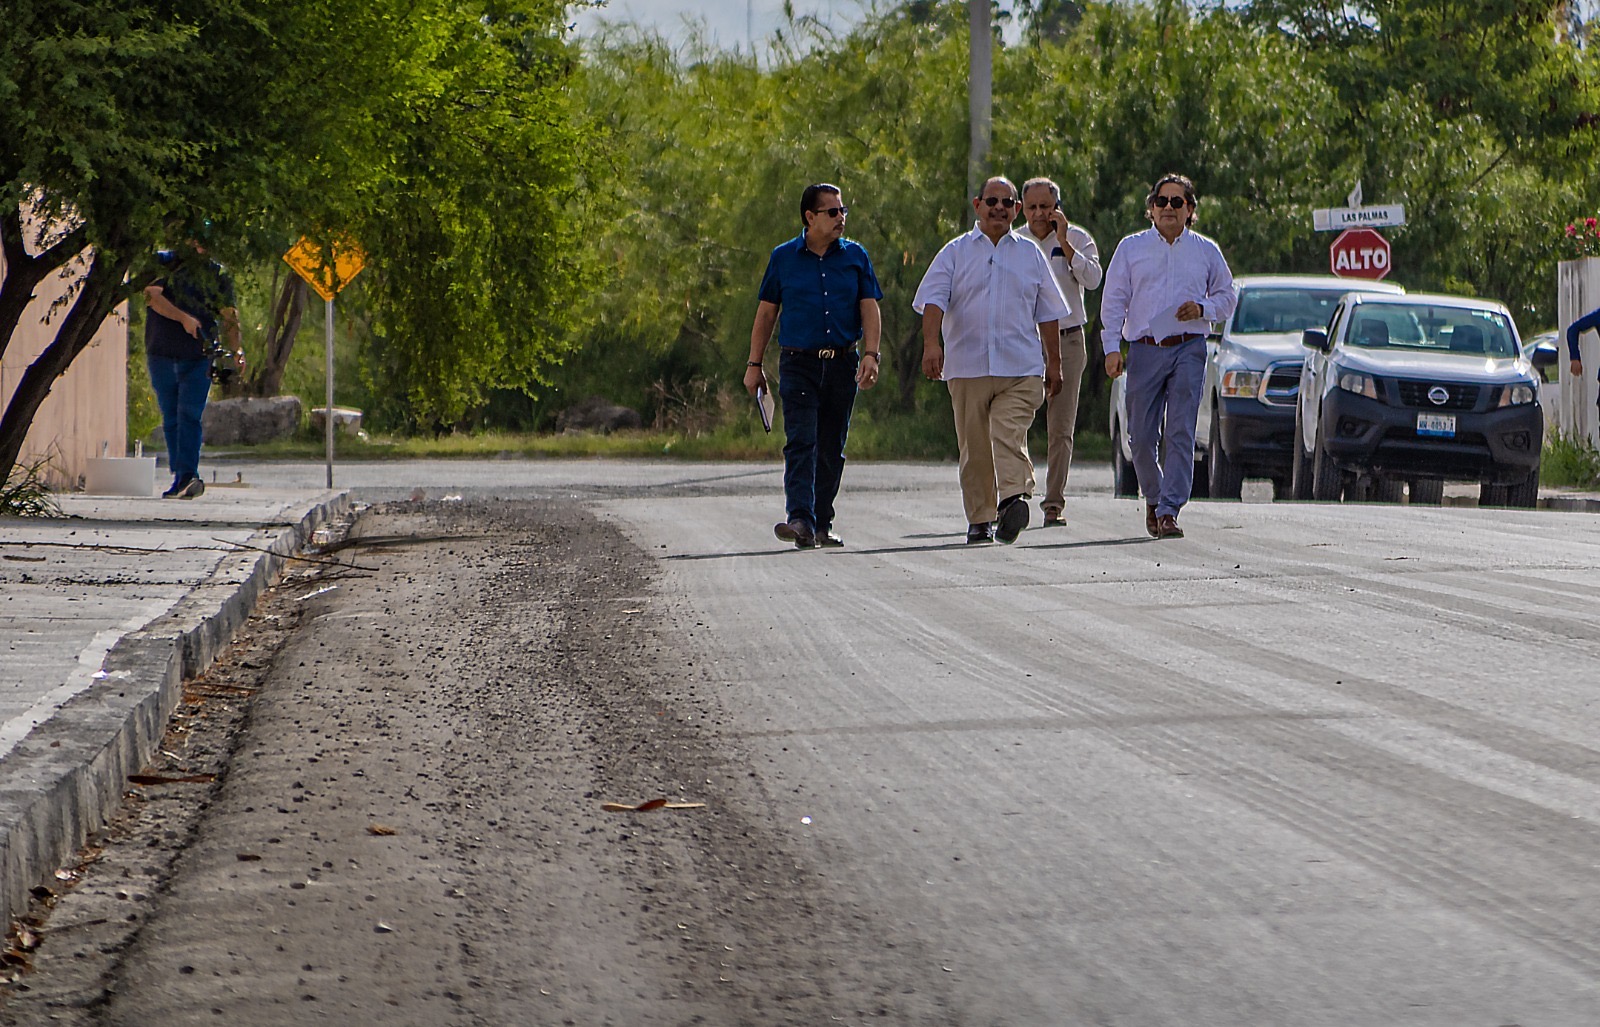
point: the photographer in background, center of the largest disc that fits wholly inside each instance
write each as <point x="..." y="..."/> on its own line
<point x="188" y="307"/>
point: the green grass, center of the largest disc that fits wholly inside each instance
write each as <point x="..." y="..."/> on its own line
<point x="25" y="494"/>
<point x="900" y="438"/>
<point x="1570" y="462"/>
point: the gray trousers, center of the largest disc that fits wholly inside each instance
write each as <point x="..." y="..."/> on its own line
<point x="1164" y="387"/>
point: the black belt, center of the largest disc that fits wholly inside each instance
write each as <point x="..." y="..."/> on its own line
<point x="830" y="353"/>
<point x="1171" y="340"/>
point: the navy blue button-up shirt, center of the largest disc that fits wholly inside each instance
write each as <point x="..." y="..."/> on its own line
<point x="1577" y="328"/>
<point x="819" y="298"/>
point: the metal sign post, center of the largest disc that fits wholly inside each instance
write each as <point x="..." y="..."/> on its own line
<point x="327" y="420"/>
<point x="327" y="270"/>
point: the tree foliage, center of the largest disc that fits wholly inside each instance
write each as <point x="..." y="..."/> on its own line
<point x="439" y="135"/>
<point x="1472" y="115"/>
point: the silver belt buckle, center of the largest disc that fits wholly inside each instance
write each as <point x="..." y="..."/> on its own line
<point x="827" y="354"/>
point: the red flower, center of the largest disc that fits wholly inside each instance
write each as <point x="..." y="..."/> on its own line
<point x="1572" y="230"/>
<point x="1589" y="222"/>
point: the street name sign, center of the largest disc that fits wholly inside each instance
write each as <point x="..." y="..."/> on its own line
<point x="1359" y="253"/>
<point x="1337" y="219"/>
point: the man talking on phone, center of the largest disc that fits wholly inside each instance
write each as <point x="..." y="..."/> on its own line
<point x="821" y="294"/>
<point x="1075" y="263"/>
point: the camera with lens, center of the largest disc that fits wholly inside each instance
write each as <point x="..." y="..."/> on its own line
<point x="224" y="362"/>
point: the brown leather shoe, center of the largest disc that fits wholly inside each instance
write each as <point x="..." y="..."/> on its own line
<point x="796" y="531"/>
<point x="1150" y="524"/>
<point x="1053" y="518"/>
<point x="1167" y="525"/>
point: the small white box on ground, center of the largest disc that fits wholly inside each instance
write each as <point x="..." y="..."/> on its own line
<point x="347" y="419"/>
<point x="121" y="476"/>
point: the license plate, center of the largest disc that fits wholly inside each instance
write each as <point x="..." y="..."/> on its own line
<point x="1436" y="424"/>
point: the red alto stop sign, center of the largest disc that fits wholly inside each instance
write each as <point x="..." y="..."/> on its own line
<point x="1359" y="253"/>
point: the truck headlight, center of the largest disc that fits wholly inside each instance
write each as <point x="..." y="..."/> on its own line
<point x="1517" y="394"/>
<point x="1360" y="384"/>
<point x="1240" y="383"/>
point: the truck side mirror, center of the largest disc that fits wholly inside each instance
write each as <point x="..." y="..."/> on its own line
<point x="1314" y="338"/>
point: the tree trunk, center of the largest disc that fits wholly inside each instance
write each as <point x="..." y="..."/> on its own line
<point x="23" y="272"/>
<point x="287" y="312"/>
<point x="99" y="291"/>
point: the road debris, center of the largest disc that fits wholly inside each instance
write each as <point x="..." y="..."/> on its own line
<point x="164" y="779"/>
<point x="645" y="807"/>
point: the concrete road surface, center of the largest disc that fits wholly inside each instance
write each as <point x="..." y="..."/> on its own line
<point x="1311" y="765"/>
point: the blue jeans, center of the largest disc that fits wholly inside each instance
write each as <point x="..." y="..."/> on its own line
<point x="817" y="399"/>
<point x="1164" y="386"/>
<point x="181" y="388"/>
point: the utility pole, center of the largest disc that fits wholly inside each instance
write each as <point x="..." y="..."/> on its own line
<point x="980" y="78"/>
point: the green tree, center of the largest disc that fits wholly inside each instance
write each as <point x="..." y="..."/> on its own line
<point x="707" y="152"/>
<point x="440" y="137"/>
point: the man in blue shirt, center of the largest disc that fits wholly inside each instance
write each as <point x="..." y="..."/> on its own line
<point x="1575" y="329"/>
<point x="188" y="307"/>
<point x="822" y="295"/>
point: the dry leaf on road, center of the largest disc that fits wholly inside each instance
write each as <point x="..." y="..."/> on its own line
<point x="645" y="807"/>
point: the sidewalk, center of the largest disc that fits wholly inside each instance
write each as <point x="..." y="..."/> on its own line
<point x="103" y="613"/>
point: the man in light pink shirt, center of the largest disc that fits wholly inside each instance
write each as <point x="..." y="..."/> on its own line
<point x="991" y="297"/>
<point x="1163" y="289"/>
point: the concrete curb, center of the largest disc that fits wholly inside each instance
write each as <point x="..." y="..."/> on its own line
<point x="63" y="780"/>
<point x="1574" y="504"/>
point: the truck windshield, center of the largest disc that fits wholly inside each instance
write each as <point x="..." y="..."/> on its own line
<point x="1269" y="309"/>
<point x="1463" y="330"/>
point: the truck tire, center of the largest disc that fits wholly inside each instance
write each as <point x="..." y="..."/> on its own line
<point x="1300" y="476"/>
<point x="1124" y="479"/>
<point x="1227" y="477"/>
<point x="1525" y="493"/>
<point x="1385" y="489"/>
<point x="1327" y="483"/>
<point x="1426" y="492"/>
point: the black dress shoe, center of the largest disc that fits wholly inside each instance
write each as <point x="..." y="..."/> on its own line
<point x="828" y="540"/>
<point x="1150" y="523"/>
<point x="796" y="531"/>
<point x="979" y="533"/>
<point x="1013" y="518"/>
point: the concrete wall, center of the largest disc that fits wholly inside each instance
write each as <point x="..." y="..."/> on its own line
<point x="1578" y="292"/>
<point x="87" y="409"/>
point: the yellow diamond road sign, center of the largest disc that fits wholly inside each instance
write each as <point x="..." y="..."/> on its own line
<point x="306" y="257"/>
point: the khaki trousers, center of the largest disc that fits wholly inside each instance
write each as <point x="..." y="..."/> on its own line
<point x="992" y="420"/>
<point x="1061" y="418"/>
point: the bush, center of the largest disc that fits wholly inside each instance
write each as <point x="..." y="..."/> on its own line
<point x="25" y="493"/>
<point x="1570" y="461"/>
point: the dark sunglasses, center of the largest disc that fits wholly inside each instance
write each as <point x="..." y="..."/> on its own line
<point x="832" y="212"/>
<point x="1008" y="202"/>
<point x="1170" y="201"/>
